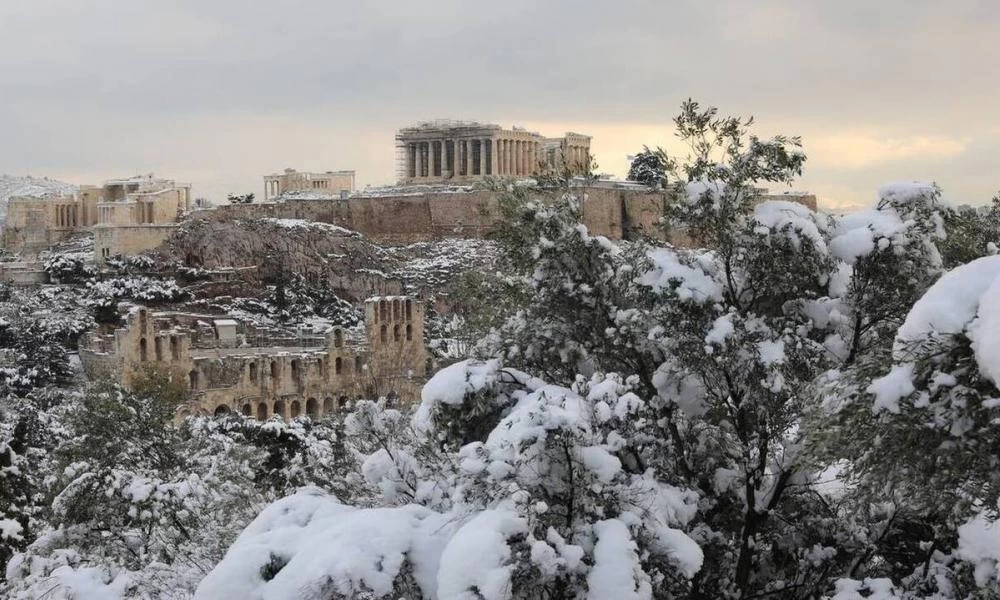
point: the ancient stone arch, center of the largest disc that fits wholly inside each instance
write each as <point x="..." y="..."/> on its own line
<point x="262" y="411"/>
<point x="327" y="405"/>
<point x="296" y="409"/>
<point x="222" y="410"/>
<point x="312" y="408"/>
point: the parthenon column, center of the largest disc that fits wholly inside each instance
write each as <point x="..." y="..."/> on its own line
<point x="418" y="160"/>
<point x="503" y="157"/>
<point x="487" y="157"/>
<point x="454" y="158"/>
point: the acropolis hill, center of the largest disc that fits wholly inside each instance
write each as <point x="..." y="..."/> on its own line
<point x="444" y="170"/>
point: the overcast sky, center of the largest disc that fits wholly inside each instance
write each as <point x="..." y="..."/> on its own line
<point x="220" y="92"/>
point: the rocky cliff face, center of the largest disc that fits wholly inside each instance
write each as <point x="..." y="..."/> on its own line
<point x="262" y="250"/>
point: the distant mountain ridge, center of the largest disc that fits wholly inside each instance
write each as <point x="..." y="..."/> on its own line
<point x="38" y="187"/>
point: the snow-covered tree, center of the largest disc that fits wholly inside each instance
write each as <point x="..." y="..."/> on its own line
<point x="921" y="434"/>
<point x="649" y="167"/>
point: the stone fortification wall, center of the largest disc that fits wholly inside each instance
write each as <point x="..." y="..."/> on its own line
<point x="615" y="213"/>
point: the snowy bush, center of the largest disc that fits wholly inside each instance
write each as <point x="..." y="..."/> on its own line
<point x="540" y="507"/>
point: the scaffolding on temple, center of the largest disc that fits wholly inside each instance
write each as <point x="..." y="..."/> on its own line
<point x="454" y="127"/>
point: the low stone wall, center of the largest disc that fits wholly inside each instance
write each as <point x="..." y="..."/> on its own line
<point x="23" y="273"/>
<point x="98" y="365"/>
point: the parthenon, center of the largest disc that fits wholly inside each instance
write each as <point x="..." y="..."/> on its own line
<point x="467" y="151"/>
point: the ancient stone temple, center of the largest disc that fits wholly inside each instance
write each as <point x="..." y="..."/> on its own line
<point x="331" y="183"/>
<point x="127" y="216"/>
<point x="230" y="366"/>
<point x="463" y="152"/>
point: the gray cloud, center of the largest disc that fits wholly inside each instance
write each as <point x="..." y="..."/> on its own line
<point x="222" y="90"/>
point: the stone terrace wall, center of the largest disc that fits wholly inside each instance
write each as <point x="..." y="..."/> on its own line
<point x="615" y="213"/>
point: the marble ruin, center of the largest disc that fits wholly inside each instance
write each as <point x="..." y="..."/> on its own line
<point x="459" y="152"/>
<point x="126" y="215"/>
<point x="230" y="366"/>
<point x="332" y="183"/>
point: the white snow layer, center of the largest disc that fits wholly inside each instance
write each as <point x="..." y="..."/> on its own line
<point x="985" y="332"/>
<point x="979" y="543"/>
<point x="450" y="386"/>
<point x="310" y="546"/>
<point x="616" y="573"/>
<point x="951" y="303"/>
<point x="965" y="299"/>
<point x="689" y="283"/>
<point x="478" y="557"/>
<point x="859" y="233"/>
<point x="890" y="389"/>
<point x="796" y="220"/>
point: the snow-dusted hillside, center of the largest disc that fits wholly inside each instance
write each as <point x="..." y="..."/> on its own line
<point x="29" y="186"/>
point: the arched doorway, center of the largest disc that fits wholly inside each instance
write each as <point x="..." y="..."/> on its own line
<point x="193" y="379"/>
<point x="327" y="405"/>
<point x="143" y="351"/>
<point x="279" y="408"/>
<point x="248" y="410"/>
<point x="262" y="411"/>
<point x="221" y="410"/>
<point x="296" y="409"/>
<point x="312" y="408"/>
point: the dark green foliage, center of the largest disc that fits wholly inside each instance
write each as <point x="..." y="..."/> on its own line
<point x="970" y="233"/>
<point x="649" y="167"/>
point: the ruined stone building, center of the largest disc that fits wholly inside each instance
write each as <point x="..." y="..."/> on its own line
<point x="137" y="214"/>
<point x="332" y="183"/>
<point x="229" y="366"/>
<point x="453" y="151"/>
<point x="126" y="215"/>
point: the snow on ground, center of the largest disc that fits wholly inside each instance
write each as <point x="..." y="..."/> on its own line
<point x="306" y="224"/>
